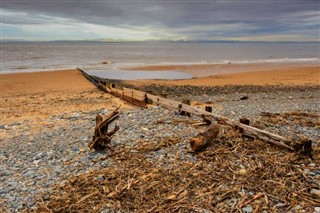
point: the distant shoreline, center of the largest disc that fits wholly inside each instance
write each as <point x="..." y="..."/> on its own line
<point x="156" y="41"/>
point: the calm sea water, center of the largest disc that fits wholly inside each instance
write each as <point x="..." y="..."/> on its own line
<point x="41" y="57"/>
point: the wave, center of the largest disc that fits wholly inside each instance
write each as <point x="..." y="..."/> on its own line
<point x="124" y="65"/>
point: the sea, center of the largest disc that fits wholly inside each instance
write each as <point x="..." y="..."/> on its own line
<point x="33" y="57"/>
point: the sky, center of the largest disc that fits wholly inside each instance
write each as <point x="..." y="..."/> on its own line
<point x="174" y="20"/>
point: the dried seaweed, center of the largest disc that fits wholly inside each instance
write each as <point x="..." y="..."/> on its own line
<point x="232" y="173"/>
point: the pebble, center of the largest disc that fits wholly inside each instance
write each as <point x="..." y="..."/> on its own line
<point x="54" y="154"/>
<point x="100" y="177"/>
<point x="297" y="207"/>
<point x="28" y="173"/>
<point x="280" y="205"/>
<point x="247" y="209"/>
<point x="243" y="172"/>
<point x="315" y="192"/>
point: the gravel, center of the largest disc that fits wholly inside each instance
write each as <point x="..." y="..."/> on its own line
<point x="32" y="162"/>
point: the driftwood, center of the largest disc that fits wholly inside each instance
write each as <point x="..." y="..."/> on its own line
<point x="204" y="139"/>
<point x="303" y="147"/>
<point x="102" y="138"/>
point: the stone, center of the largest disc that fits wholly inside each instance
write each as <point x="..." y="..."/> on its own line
<point x="28" y="173"/>
<point x="315" y="192"/>
<point x="297" y="207"/>
<point x="280" y="205"/>
<point x="312" y="174"/>
<point x="317" y="209"/>
<point x="100" y="177"/>
<point x="75" y="149"/>
<point x="243" y="172"/>
<point x="12" y="185"/>
<point x="247" y="209"/>
<point x="3" y="191"/>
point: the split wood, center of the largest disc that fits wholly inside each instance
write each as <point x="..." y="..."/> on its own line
<point x="102" y="138"/>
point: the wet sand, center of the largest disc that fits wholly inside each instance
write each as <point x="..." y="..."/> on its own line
<point x="205" y="70"/>
<point x="42" y="94"/>
<point x="39" y="95"/>
<point x="263" y="76"/>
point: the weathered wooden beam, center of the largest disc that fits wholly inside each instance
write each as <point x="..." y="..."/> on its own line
<point x="141" y="98"/>
<point x="249" y="130"/>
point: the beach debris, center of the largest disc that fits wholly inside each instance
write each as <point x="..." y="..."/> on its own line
<point x="102" y="138"/>
<point x="204" y="139"/>
<point x="244" y="97"/>
<point x="206" y="120"/>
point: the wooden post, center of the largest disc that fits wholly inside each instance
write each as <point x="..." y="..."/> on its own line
<point x="188" y="102"/>
<point x="208" y="108"/>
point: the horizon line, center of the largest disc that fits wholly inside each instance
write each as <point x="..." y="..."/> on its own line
<point x="146" y="41"/>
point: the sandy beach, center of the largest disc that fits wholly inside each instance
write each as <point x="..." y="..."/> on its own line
<point x="48" y="119"/>
<point x="160" y="106"/>
<point x="252" y="74"/>
<point x="41" y="94"/>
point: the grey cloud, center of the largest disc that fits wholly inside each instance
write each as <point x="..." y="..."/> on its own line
<point x="178" y="15"/>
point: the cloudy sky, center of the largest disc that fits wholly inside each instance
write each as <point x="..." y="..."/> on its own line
<point x="138" y="20"/>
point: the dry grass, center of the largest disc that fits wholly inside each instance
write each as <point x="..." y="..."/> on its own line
<point x="231" y="174"/>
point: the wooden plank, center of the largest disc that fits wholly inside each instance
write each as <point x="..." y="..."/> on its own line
<point x="257" y="133"/>
<point x="135" y="94"/>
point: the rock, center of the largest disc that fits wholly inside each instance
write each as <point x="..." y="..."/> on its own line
<point x="75" y="149"/>
<point x="280" y="205"/>
<point x="243" y="172"/>
<point x="3" y="191"/>
<point x="100" y="177"/>
<point x="12" y="185"/>
<point x="28" y="173"/>
<point x="311" y="174"/>
<point x="317" y="209"/>
<point x="297" y="207"/>
<point x="315" y="192"/>
<point x="247" y="209"/>
<point x="317" y="172"/>
<point x="231" y="202"/>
